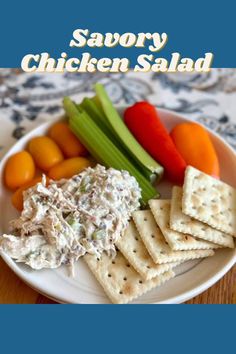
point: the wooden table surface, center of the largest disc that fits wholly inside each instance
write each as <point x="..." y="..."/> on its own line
<point x="14" y="291"/>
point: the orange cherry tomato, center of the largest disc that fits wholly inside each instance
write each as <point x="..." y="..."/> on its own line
<point x="66" y="140"/>
<point x="19" y="170"/>
<point x="17" y="197"/>
<point x="68" y="168"/>
<point x="45" y="152"/>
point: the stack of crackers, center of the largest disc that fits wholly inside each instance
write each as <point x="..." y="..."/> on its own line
<point x="199" y="218"/>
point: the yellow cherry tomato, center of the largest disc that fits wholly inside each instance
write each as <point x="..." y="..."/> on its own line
<point x="19" y="170"/>
<point x="45" y="152"/>
<point x="66" y="140"/>
<point x="17" y="197"/>
<point x="68" y="168"/>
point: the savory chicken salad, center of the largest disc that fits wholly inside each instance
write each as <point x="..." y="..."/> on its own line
<point x="66" y="219"/>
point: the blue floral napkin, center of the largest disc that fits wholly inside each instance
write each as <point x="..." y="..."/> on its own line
<point x="27" y="100"/>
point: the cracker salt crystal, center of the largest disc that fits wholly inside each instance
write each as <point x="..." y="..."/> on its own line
<point x="209" y="200"/>
<point x="119" y="279"/>
<point x="176" y="240"/>
<point x="183" y="223"/>
<point x="156" y="244"/>
<point x="133" y="249"/>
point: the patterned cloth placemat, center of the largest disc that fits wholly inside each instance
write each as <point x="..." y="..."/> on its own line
<point x="27" y="100"/>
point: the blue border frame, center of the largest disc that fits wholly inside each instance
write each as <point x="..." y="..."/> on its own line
<point x="193" y="28"/>
<point x="117" y="329"/>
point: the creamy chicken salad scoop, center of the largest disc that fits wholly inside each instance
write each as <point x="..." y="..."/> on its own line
<point x="66" y="219"/>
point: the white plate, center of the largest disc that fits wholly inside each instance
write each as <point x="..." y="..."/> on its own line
<point x="192" y="277"/>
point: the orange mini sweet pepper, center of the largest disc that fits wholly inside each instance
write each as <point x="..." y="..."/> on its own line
<point x="194" y="144"/>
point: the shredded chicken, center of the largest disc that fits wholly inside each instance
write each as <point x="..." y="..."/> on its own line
<point x="63" y="221"/>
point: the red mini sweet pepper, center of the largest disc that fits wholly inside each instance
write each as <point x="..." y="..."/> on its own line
<point x="143" y="121"/>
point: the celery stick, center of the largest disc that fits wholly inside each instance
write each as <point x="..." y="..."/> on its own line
<point x="89" y="105"/>
<point x="98" y="117"/>
<point x="147" y="164"/>
<point x="101" y="147"/>
<point x="94" y="110"/>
